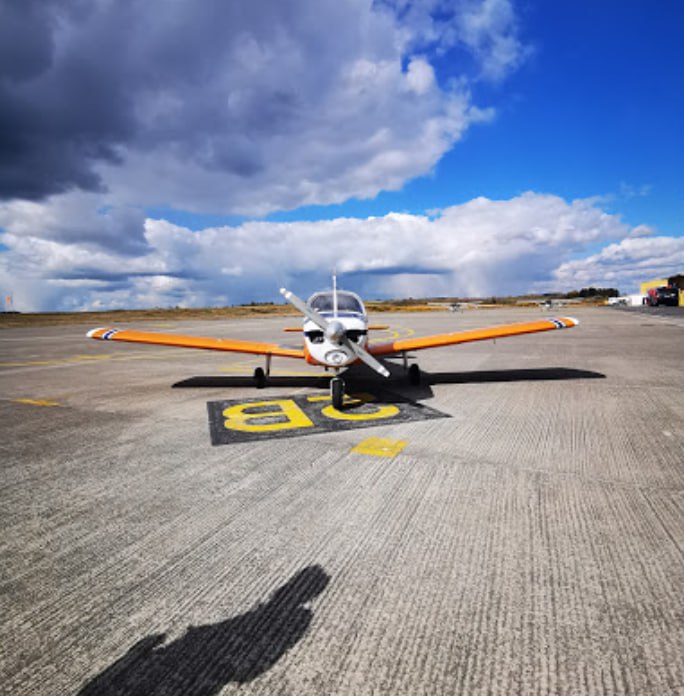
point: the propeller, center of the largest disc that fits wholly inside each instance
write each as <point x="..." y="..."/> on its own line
<point x="334" y="331"/>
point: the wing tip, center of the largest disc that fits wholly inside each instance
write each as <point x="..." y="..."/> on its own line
<point x="564" y="322"/>
<point x="97" y="333"/>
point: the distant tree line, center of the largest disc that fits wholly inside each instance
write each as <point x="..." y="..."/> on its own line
<point x="593" y="292"/>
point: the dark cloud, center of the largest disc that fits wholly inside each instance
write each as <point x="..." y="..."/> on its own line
<point x="61" y="108"/>
<point x="78" y="82"/>
<point x="26" y="43"/>
<point x="118" y="278"/>
<point x="218" y="105"/>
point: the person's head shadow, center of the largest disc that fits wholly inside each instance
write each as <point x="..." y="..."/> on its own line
<point x="206" y="658"/>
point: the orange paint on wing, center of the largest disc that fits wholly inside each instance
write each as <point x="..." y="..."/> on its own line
<point x="450" y="339"/>
<point x="182" y="341"/>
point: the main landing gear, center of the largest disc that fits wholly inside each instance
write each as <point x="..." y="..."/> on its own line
<point x="413" y="371"/>
<point x="260" y="378"/>
<point x="414" y="374"/>
<point x="261" y="375"/>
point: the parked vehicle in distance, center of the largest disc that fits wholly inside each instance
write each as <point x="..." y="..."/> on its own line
<point x="663" y="295"/>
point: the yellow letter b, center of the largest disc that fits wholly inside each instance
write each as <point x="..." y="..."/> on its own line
<point x="283" y="415"/>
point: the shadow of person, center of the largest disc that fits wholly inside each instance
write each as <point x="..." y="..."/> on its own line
<point x="205" y="658"/>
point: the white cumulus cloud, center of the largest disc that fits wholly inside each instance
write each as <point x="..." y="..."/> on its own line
<point x="482" y="247"/>
<point x="625" y="264"/>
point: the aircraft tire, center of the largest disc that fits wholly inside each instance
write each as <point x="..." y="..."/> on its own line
<point x="337" y="392"/>
<point x="260" y="377"/>
<point x="414" y="374"/>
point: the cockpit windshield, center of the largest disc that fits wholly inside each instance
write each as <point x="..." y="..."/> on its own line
<point x="346" y="302"/>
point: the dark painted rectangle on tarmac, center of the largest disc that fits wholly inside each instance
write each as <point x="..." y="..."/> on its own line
<point x="247" y="420"/>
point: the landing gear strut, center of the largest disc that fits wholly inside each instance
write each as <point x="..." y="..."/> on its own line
<point x="337" y="392"/>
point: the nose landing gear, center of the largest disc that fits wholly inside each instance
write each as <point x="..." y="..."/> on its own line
<point x="337" y="392"/>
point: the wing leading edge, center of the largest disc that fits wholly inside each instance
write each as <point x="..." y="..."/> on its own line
<point x="182" y="341"/>
<point x="449" y="339"/>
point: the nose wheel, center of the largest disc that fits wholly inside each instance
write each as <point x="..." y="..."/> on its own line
<point x="337" y="392"/>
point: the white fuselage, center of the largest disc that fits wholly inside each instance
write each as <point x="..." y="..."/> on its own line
<point x="347" y="322"/>
<point x="326" y="350"/>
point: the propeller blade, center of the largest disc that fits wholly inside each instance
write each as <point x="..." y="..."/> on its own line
<point x="367" y="358"/>
<point x="304" y="308"/>
<point x="325" y="326"/>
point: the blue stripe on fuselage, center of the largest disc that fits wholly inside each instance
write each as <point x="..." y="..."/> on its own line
<point x="345" y="315"/>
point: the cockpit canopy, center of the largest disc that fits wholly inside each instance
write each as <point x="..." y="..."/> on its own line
<point x="347" y="302"/>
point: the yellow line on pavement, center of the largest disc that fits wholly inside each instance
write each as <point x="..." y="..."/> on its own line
<point x="82" y="359"/>
<point x="37" y="402"/>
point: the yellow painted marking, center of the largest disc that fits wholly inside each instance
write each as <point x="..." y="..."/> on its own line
<point x="103" y="356"/>
<point x="37" y="402"/>
<point x="347" y="399"/>
<point x="393" y="335"/>
<point x="380" y="447"/>
<point x="286" y="410"/>
<point x="358" y="399"/>
<point x="82" y="359"/>
<point x="33" y="362"/>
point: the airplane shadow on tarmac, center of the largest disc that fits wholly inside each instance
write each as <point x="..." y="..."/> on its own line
<point x="397" y="387"/>
<point x="422" y="391"/>
<point x="206" y="658"/>
<point x="228" y="381"/>
<point x="527" y="375"/>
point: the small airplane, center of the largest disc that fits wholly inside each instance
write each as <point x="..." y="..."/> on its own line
<point x="335" y="332"/>
<point x="550" y="303"/>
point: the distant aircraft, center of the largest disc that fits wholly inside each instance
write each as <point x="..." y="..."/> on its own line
<point x="335" y="332"/>
<point x="554" y="302"/>
<point x="453" y="306"/>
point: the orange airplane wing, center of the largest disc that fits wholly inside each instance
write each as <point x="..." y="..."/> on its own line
<point x="449" y="339"/>
<point x="181" y="341"/>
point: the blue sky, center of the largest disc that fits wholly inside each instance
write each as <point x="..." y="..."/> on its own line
<point x="596" y="110"/>
<point x="434" y="147"/>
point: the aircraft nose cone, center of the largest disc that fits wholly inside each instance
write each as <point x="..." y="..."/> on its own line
<point x="335" y="331"/>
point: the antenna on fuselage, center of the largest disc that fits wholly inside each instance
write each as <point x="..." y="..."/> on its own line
<point x="335" y="293"/>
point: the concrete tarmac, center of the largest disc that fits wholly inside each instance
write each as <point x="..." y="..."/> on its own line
<point x="527" y="542"/>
